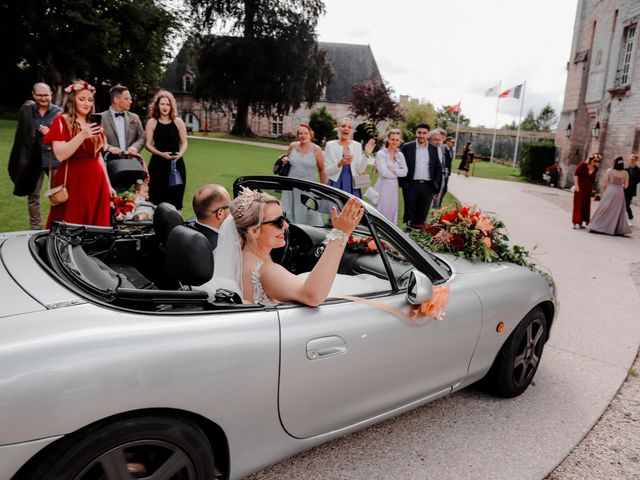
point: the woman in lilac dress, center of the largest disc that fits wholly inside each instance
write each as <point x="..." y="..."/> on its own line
<point x="611" y="215"/>
<point x="344" y="152"/>
<point x="391" y="165"/>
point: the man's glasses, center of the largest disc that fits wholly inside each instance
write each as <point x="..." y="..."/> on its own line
<point x="215" y="210"/>
<point x="278" y="222"/>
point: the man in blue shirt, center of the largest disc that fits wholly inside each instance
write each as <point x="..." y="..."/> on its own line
<point x="30" y="159"/>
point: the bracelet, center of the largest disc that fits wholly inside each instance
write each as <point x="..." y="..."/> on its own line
<point x="336" y="234"/>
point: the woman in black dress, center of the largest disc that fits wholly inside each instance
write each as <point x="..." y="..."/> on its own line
<point x="166" y="139"/>
<point x="467" y="159"/>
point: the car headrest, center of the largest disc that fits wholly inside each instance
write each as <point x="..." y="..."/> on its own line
<point x="188" y="256"/>
<point x="165" y="219"/>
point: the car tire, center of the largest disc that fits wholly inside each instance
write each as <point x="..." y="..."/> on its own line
<point x="137" y="447"/>
<point x="518" y="359"/>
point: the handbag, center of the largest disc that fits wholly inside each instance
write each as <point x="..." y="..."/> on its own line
<point x="280" y="167"/>
<point x="362" y="180"/>
<point x="372" y="194"/>
<point x="175" y="178"/>
<point x="58" y="195"/>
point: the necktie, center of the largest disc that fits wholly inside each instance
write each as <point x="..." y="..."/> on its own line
<point x="119" y="114"/>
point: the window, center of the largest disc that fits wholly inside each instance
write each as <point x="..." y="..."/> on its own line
<point x="276" y="125"/>
<point x="623" y="74"/>
<point x="187" y="83"/>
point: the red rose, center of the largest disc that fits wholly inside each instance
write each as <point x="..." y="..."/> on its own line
<point x="432" y="229"/>
<point x="465" y="211"/>
<point x="133" y="121"/>
<point x="449" y="217"/>
<point x="457" y="241"/>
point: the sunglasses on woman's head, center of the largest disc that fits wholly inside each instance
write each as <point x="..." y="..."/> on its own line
<point x="278" y="221"/>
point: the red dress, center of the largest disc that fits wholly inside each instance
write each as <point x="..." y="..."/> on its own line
<point x="89" y="198"/>
<point x="582" y="198"/>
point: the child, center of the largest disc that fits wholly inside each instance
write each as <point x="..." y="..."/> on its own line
<point x="144" y="208"/>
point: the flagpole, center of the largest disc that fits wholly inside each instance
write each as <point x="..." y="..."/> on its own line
<point x="455" y="144"/>
<point x="495" y="125"/>
<point x="515" y="151"/>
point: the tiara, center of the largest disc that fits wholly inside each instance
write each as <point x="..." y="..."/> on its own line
<point x="75" y="86"/>
<point x="245" y="199"/>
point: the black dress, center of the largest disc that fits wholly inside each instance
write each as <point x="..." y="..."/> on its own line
<point x="166" y="138"/>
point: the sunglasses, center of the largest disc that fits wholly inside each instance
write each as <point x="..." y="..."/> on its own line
<point x="278" y="221"/>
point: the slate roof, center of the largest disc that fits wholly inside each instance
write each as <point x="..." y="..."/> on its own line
<point x="351" y="64"/>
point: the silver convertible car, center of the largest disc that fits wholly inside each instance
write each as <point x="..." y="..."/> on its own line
<point x="117" y="363"/>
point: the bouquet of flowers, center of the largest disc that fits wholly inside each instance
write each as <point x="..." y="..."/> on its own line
<point x="123" y="204"/>
<point x="362" y="244"/>
<point x="468" y="233"/>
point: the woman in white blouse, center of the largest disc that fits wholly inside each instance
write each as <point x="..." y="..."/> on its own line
<point x="345" y="152"/>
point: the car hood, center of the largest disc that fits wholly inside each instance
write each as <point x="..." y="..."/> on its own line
<point x="461" y="266"/>
<point x="26" y="285"/>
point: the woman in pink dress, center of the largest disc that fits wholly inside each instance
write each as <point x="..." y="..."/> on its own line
<point x="611" y="217"/>
<point x="77" y="143"/>
<point x="391" y="165"/>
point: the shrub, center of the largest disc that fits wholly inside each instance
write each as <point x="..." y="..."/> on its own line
<point x="323" y="125"/>
<point x="536" y="157"/>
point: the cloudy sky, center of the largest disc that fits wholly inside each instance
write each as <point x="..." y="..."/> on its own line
<point x="443" y="51"/>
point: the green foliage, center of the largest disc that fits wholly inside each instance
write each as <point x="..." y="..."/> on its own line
<point x="266" y="58"/>
<point x="102" y="41"/>
<point x="415" y="113"/>
<point x="529" y="123"/>
<point x="536" y="157"/>
<point x="323" y="125"/>
<point x="448" y="120"/>
<point x="372" y="99"/>
<point x="546" y="118"/>
<point x="510" y="126"/>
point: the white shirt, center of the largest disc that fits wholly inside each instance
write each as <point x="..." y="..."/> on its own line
<point x="118" y="121"/>
<point x="421" y="171"/>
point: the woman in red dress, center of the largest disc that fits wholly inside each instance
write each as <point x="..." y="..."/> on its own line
<point x="77" y="144"/>
<point x="584" y="179"/>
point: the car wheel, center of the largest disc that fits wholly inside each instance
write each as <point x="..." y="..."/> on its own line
<point x="518" y="359"/>
<point x="140" y="447"/>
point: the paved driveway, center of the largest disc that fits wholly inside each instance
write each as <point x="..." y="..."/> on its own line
<point x="473" y="436"/>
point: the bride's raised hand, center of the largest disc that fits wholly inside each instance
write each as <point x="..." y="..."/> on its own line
<point x="349" y="217"/>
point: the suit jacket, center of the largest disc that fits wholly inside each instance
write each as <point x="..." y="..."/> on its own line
<point x="134" y="134"/>
<point x="207" y="232"/>
<point x="435" y="167"/>
<point x="448" y="158"/>
<point x="25" y="161"/>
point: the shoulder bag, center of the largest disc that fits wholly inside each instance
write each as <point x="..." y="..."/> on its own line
<point x="58" y="195"/>
<point x="280" y="167"/>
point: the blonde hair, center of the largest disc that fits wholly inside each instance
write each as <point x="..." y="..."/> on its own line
<point x="154" y="108"/>
<point x="247" y="210"/>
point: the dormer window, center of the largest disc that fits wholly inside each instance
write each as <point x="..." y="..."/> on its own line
<point x="187" y="82"/>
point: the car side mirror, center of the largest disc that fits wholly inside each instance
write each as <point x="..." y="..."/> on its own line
<point x="419" y="288"/>
<point x="309" y="202"/>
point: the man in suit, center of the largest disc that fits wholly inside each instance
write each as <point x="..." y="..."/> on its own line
<point x="634" y="178"/>
<point x="447" y="162"/>
<point x="423" y="179"/>
<point x="123" y="129"/>
<point x="211" y="206"/>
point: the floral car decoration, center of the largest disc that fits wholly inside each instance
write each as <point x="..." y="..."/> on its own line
<point x="362" y="244"/>
<point x="468" y="233"/>
<point x="123" y="204"/>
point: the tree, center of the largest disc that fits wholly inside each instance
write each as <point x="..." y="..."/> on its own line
<point x="510" y="126"/>
<point x="264" y="56"/>
<point x="447" y="119"/>
<point x="323" y="125"/>
<point x="372" y="100"/>
<point x="415" y="113"/>
<point x="102" y="41"/>
<point x="529" y="123"/>
<point x="546" y="118"/>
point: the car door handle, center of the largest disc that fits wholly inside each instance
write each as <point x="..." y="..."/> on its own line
<point x="326" y="347"/>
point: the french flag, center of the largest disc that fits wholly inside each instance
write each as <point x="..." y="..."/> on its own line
<point x="514" y="92"/>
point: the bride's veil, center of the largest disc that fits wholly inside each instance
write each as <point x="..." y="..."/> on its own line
<point x="227" y="260"/>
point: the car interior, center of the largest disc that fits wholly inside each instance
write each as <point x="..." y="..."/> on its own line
<point x="161" y="267"/>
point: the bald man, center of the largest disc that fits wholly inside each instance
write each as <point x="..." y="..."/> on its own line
<point x="211" y="206"/>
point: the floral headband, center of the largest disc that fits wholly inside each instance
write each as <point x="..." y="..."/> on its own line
<point x="76" y="86"/>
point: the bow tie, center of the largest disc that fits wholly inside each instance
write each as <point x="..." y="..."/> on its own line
<point x="118" y="114"/>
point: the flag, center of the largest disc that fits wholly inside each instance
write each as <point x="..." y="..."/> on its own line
<point x="492" y="92"/>
<point x="454" y="108"/>
<point x="514" y="92"/>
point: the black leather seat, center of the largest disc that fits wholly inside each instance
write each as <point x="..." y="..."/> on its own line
<point x="165" y="219"/>
<point x="188" y="256"/>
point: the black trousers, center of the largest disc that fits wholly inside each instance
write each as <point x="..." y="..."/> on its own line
<point x="418" y="196"/>
<point x="627" y="200"/>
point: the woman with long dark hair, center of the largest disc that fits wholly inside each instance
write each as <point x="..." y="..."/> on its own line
<point x="584" y="179"/>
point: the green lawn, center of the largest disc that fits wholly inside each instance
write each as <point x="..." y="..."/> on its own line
<point x="493" y="170"/>
<point x="207" y="162"/>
